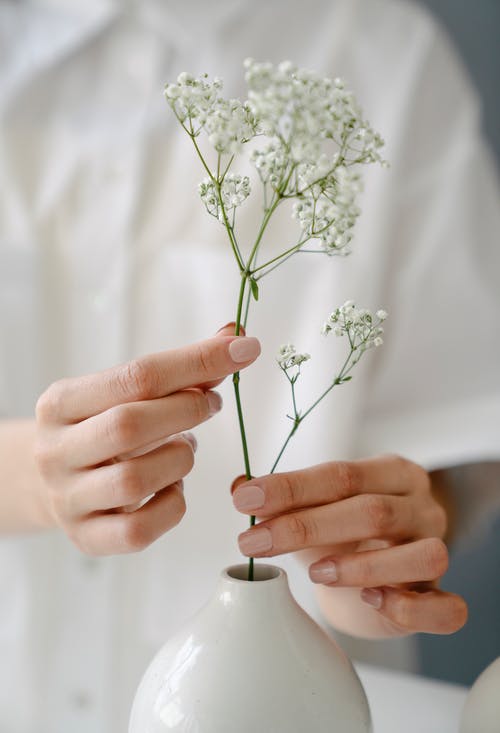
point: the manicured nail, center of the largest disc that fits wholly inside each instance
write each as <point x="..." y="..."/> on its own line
<point x="255" y="541"/>
<point x="372" y="596"/>
<point x="214" y="402"/>
<point x="325" y="572"/>
<point x="244" y="348"/>
<point x="247" y="498"/>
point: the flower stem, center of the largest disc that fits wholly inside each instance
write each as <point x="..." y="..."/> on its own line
<point x="239" y="409"/>
<point x="299" y="417"/>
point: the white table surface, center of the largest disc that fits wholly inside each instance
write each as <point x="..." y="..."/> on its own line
<point x="405" y="703"/>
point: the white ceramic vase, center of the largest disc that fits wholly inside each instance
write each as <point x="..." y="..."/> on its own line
<point x="251" y="661"/>
<point x="481" y="713"/>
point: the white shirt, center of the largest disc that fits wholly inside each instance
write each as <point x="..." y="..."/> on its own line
<point x="106" y="253"/>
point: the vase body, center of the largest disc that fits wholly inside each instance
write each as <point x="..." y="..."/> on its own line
<point x="481" y="713"/>
<point x="251" y="661"/>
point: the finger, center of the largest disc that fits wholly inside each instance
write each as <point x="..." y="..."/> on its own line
<point x="122" y="532"/>
<point x="147" y="378"/>
<point x="370" y="516"/>
<point x="432" y="612"/>
<point x="190" y="437"/>
<point x="228" y="330"/>
<point x="134" y="425"/>
<point x="423" y="560"/>
<point x="328" y="482"/>
<point x="129" y="482"/>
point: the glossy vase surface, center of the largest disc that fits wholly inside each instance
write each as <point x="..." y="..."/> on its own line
<point x="251" y="661"/>
<point x="481" y="713"/>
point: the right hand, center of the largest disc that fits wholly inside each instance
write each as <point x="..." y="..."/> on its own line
<point x="108" y="441"/>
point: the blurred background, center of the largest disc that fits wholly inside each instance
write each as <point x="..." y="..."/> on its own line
<point x="474" y="27"/>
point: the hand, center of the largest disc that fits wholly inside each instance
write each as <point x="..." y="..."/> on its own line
<point x="373" y="525"/>
<point x="112" y="439"/>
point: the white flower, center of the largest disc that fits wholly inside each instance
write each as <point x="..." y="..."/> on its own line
<point x="302" y="109"/>
<point x="328" y="209"/>
<point x="234" y="190"/>
<point x="358" y="324"/>
<point x="288" y="357"/>
<point x="192" y="98"/>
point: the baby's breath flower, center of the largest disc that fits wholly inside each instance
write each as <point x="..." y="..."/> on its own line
<point x="328" y="210"/>
<point x="288" y="357"/>
<point x="358" y="324"/>
<point x="196" y="101"/>
<point x="229" y="124"/>
<point x="234" y="190"/>
<point x="193" y="98"/>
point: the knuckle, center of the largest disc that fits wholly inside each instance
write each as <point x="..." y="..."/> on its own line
<point x="380" y="514"/>
<point x="440" y="520"/>
<point x="290" y="490"/>
<point x="204" y="360"/>
<point x="48" y="406"/>
<point x="138" y="379"/>
<point x="402" y="611"/>
<point x="302" y="531"/>
<point x="364" y="570"/>
<point x="421" y="478"/>
<point x="45" y="460"/>
<point x="122" y="426"/>
<point x="349" y="478"/>
<point x="177" y="508"/>
<point x="435" y="557"/>
<point x="197" y="406"/>
<point x="410" y="473"/>
<point x="135" y="533"/>
<point x="126" y="483"/>
<point x="84" y="541"/>
<point x="57" y="504"/>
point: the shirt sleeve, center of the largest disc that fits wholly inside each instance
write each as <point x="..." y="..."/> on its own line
<point x="434" y="391"/>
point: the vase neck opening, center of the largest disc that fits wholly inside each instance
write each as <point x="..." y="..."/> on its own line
<point x="261" y="572"/>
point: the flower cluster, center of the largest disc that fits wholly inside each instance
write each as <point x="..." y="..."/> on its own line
<point x="313" y="137"/>
<point x="358" y="324"/>
<point x="288" y="357"/>
<point x="329" y="211"/>
<point x="223" y="199"/>
<point x="301" y="108"/>
<point x="198" y="105"/>
<point x="193" y="98"/>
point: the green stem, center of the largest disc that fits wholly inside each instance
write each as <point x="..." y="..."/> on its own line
<point x="265" y="221"/>
<point x="217" y="184"/>
<point x="239" y="409"/>
<point x="300" y="418"/>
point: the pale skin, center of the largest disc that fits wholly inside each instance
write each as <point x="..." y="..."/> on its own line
<point x="105" y="459"/>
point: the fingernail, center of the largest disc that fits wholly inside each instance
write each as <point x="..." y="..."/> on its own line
<point x="248" y="497"/>
<point x="214" y="402"/>
<point x="325" y="572"/>
<point x="244" y="348"/>
<point x="190" y="438"/>
<point x="372" y="596"/>
<point x="255" y="541"/>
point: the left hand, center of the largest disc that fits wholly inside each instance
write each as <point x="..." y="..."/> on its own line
<point x="371" y="524"/>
